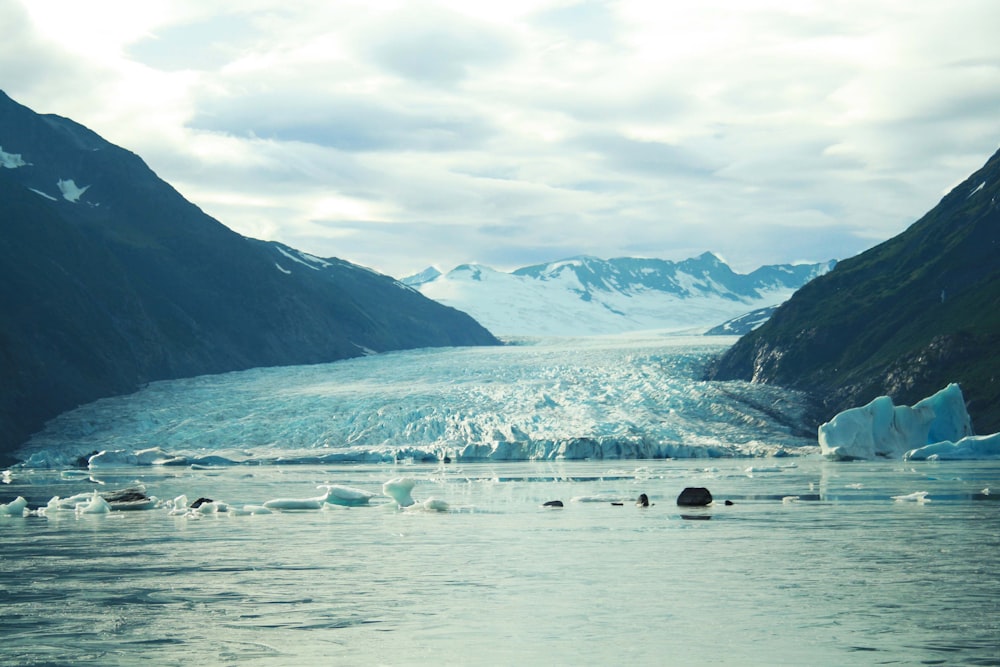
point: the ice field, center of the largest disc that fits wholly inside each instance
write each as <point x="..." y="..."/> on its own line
<point x="542" y="399"/>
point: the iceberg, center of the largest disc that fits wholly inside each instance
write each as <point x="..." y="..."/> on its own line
<point x="15" y="507"/>
<point x="882" y="429"/>
<point x="973" y="447"/>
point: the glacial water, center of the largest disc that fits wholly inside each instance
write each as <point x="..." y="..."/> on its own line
<point x="814" y="562"/>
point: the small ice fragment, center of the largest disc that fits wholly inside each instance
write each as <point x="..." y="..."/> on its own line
<point x="915" y="497"/>
<point x="434" y="505"/>
<point x="295" y="504"/>
<point x="985" y="491"/>
<point x="97" y="505"/>
<point x="399" y="490"/>
<point x="346" y="495"/>
<point x="15" y="507"/>
<point x="788" y="500"/>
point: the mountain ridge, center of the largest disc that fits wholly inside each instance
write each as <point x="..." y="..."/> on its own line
<point x="586" y="295"/>
<point x="903" y="319"/>
<point x="110" y="279"/>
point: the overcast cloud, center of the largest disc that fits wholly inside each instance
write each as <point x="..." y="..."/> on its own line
<point x="405" y="134"/>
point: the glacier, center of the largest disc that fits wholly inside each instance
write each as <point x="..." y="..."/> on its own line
<point x="615" y="397"/>
<point x="886" y="430"/>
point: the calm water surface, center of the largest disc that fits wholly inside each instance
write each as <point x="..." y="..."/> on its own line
<point x="842" y="575"/>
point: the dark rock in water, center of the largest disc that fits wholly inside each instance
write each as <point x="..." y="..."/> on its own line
<point x="201" y="501"/>
<point x="696" y="517"/>
<point x="553" y="503"/>
<point x="130" y="495"/>
<point x="694" y="496"/>
<point x="643" y="500"/>
<point x="618" y="504"/>
<point x="729" y="503"/>
<point x="83" y="461"/>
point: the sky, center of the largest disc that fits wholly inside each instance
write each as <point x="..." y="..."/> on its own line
<point x="406" y="134"/>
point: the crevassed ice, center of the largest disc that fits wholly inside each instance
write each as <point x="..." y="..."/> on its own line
<point x="628" y="397"/>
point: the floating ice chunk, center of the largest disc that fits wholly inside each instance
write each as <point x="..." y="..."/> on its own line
<point x="70" y="190"/>
<point x="97" y="505"/>
<point x="752" y="469"/>
<point x="788" y="500"/>
<point x="346" y="495"/>
<point x="974" y="447"/>
<point x="399" y="490"/>
<point x="915" y="497"/>
<point x="178" y="506"/>
<point x="15" y="507"/>
<point x="883" y="429"/>
<point x="431" y="505"/>
<point x="296" y="504"/>
<point x="250" y="510"/>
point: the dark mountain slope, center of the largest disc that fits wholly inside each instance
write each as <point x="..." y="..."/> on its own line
<point x="109" y="278"/>
<point x="902" y="319"/>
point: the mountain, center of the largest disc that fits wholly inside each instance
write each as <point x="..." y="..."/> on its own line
<point x="588" y="296"/>
<point x="903" y="319"/>
<point x="109" y="279"/>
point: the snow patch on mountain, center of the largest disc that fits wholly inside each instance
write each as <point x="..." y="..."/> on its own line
<point x="43" y="194"/>
<point x="70" y="190"/>
<point x="11" y="160"/>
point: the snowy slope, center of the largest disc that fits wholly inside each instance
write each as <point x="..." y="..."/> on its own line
<point x="590" y="296"/>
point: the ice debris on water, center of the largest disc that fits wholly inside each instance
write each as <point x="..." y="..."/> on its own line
<point x="15" y="507"/>
<point x="915" y="497"/>
<point x="399" y="490"/>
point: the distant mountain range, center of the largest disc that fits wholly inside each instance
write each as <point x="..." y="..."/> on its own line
<point x="588" y="296"/>
<point x="903" y="319"/>
<point x="110" y="279"/>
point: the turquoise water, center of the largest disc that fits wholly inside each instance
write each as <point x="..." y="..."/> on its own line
<point x="813" y="564"/>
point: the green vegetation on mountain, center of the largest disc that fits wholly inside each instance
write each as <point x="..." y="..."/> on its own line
<point x="902" y="319"/>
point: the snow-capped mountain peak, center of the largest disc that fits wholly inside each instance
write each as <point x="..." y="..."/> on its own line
<point x="587" y="295"/>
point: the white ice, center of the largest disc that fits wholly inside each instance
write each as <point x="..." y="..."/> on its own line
<point x="973" y="447"/>
<point x="399" y="489"/>
<point x="915" y="497"/>
<point x="883" y="429"/>
<point x="97" y="505"/>
<point x="346" y="495"/>
<point x="335" y="495"/>
<point x="15" y="507"/>
<point x="637" y="396"/>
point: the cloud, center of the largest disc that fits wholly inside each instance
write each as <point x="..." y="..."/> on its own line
<point x="433" y="46"/>
<point x="404" y="133"/>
